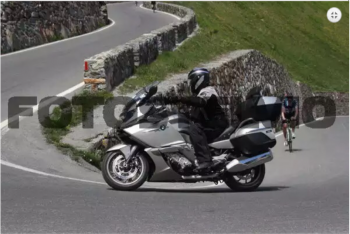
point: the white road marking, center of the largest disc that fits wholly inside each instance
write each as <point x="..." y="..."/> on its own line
<point x="46" y="174"/>
<point x="12" y="165"/>
<point x="4" y="124"/>
<point x="60" y="41"/>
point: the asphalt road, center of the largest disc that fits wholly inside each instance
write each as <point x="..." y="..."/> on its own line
<point x="52" y="69"/>
<point x="304" y="191"/>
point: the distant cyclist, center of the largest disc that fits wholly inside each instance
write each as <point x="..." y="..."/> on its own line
<point x="290" y="112"/>
<point x="153" y="6"/>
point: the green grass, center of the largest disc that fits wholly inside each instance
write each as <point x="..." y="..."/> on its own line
<point x="296" y="34"/>
<point x="56" y="127"/>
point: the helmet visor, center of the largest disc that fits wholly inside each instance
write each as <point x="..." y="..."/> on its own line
<point x="192" y="83"/>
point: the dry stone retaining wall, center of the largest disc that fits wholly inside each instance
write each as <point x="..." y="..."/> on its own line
<point x="110" y="68"/>
<point x="28" y="24"/>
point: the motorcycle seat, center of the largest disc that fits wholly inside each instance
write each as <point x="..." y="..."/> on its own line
<point x="226" y="134"/>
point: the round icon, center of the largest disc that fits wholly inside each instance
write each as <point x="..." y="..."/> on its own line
<point x="334" y="15"/>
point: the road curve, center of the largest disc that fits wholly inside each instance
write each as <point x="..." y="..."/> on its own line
<point x="52" y="69"/>
<point x="304" y="191"/>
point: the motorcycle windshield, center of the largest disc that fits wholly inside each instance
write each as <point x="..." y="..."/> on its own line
<point x="139" y="95"/>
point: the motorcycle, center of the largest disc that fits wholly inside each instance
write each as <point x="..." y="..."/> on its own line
<point x="155" y="146"/>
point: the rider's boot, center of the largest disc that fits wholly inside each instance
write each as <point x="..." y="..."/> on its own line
<point x="204" y="165"/>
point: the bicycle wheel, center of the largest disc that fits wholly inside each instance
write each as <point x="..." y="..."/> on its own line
<point x="290" y="140"/>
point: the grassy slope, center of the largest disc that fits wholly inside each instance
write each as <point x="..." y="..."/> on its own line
<point x="57" y="128"/>
<point x="296" y="34"/>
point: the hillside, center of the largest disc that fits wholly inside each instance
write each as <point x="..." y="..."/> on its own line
<point x="296" y="34"/>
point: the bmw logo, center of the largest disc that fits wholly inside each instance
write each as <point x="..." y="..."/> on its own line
<point x="162" y="127"/>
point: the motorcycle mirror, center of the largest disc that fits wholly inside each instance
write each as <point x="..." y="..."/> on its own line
<point x="141" y="103"/>
<point x="153" y="90"/>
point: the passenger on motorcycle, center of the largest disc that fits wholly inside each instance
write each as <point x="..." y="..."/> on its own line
<point x="290" y="112"/>
<point x="208" y="117"/>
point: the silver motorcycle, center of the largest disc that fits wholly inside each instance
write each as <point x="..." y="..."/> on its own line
<point x="155" y="146"/>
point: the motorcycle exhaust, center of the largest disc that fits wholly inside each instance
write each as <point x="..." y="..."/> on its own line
<point x="199" y="177"/>
<point x="242" y="165"/>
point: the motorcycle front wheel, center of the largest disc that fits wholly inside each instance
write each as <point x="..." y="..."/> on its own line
<point x="124" y="177"/>
<point x="251" y="179"/>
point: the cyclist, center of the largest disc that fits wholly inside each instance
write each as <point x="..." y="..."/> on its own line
<point x="290" y="112"/>
<point x="153" y="6"/>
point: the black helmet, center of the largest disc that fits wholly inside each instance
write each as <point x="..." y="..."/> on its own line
<point x="289" y="95"/>
<point x="198" y="79"/>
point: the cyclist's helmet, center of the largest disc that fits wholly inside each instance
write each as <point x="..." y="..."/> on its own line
<point x="289" y="95"/>
<point x="198" y="79"/>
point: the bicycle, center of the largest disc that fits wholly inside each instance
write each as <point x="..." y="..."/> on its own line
<point x="289" y="136"/>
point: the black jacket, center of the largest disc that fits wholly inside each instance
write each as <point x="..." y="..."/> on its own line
<point x="205" y="107"/>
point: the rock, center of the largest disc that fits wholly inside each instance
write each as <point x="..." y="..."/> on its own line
<point x="64" y="31"/>
<point x="3" y="17"/>
<point x="34" y="14"/>
<point x="8" y="10"/>
<point x="104" y="9"/>
<point x="42" y="14"/>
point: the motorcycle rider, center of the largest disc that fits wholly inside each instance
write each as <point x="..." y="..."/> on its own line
<point x="290" y="112"/>
<point x="208" y="119"/>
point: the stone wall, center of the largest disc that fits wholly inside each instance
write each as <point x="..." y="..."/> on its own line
<point x="108" y="69"/>
<point x="325" y="103"/>
<point x="28" y="24"/>
<point x="236" y="73"/>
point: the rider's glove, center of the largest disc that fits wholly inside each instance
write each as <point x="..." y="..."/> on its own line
<point x="160" y="99"/>
<point x="156" y="98"/>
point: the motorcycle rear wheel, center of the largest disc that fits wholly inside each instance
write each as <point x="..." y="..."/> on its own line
<point x="109" y="166"/>
<point x="257" y="179"/>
